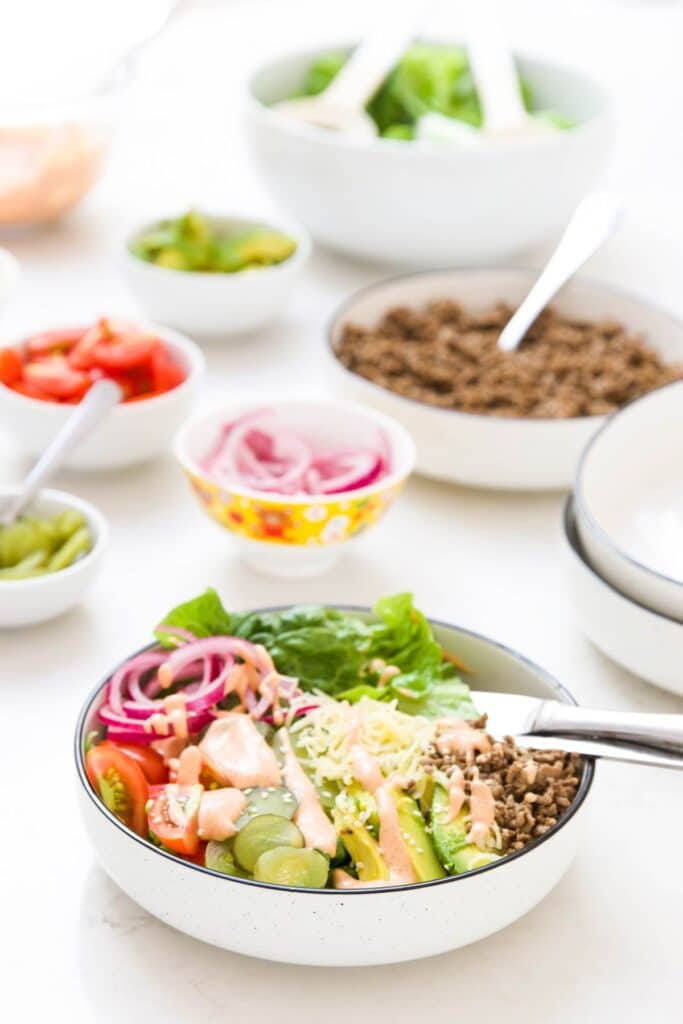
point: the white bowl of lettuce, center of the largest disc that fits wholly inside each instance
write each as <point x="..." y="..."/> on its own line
<point x="386" y="678"/>
<point x="403" y="199"/>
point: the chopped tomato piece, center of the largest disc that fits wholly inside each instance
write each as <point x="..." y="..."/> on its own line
<point x="173" y="818"/>
<point x="11" y="365"/>
<point x="150" y="761"/>
<point x="120" y="783"/>
<point x="166" y="374"/>
<point x="53" y="342"/>
<point x="81" y="356"/>
<point x="57" y="378"/>
<point x="125" y="351"/>
<point x="31" y="391"/>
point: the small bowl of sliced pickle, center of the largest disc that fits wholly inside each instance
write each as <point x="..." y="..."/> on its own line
<point x="49" y="556"/>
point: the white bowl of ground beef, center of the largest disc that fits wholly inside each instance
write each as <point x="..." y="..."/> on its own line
<point x="475" y="419"/>
<point x="349" y="927"/>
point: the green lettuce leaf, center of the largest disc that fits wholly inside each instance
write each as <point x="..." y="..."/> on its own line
<point x="202" y="616"/>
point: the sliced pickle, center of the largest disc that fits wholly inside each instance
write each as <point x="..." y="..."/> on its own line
<point x="262" y="833"/>
<point x="220" y="857"/>
<point x="267" y="800"/>
<point x="283" y="865"/>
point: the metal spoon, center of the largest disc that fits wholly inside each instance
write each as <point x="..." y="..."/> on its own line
<point x="593" y="221"/>
<point x="341" y="106"/>
<point x="101" y="397"/>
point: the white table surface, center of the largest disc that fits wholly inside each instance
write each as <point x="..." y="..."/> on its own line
<point x="605" y="945"/>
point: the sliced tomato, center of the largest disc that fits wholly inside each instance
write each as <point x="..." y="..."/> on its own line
<point x="31" y="391"/>
<point x="11" y="365"/>
<point x="57" y="378"/>
<point x="151" y="762"/>
<point x="53" y="342"/>
<point x="120" y="783"/>
<point x="127" y="351"/>
<point x="173" y="817"/>
<point x="200" y="856"/>
<point x="81" y="356"/>
<point x="166" y="374"/>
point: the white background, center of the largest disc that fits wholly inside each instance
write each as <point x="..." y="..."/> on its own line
<point x="605" y="945"/>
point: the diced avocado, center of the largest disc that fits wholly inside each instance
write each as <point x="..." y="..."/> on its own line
<point x="361" y="846"/>
<point x="418" y="843"/>
<point x="450" y="838"/>
<point x="172" y="259"/>
<point x="264" y="247"/>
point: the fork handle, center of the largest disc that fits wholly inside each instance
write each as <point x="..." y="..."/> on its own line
<point x="662" y="732"/>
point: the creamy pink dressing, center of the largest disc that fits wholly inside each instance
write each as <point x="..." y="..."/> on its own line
<point x="459" y="737"/>
<point x="170" y="749"/>
<point x="384" y="671"/>
<point x="391" y="842"/>
<point x="365" y="768"/>
<point x="456" y="794"/>
<point x="219" y="809"/>
<point x="482" y="812"/>
<point x="175" y="706"/>
<point x="355" y="724"/>
<point x="343" y="880"/>
<point x="317" y="828"/>
<point x="157" y="723"/>
<point x="238" y="755"/>
<point x="189" y="767"/>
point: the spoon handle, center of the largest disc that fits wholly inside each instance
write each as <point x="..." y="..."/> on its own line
<point x="664" y="732"/>
<point x="629" y="753"/>
<point x="101" y="397"/>
<point x="369" y="65"/>
<point x="593" y="222"/>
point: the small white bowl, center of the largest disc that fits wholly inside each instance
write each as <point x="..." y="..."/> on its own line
<point x="420" y="203"/>
<point x="132" y="432"/>
<point x="217" y="305"/>
<point x="492" y="451"/>
<point x="25" y="602"/>
<point x="629" y="500"/>
<point x="296" y="536"/>
<point x="645" y="642"/>
<point x="354" y="927"/>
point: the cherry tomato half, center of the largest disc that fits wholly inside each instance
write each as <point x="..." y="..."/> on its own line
<point x="173" y="818"/>
<point x="121" y="785"/>
<point x="57" y="378"/>
<point x="150" y="761"/>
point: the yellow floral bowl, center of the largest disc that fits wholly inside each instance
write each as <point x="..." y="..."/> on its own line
<point x="299" y="535"/>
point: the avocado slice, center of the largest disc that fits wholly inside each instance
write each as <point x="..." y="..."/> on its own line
<point x="418" y="843"/>
<point x="450" y="838"/>
<point x="361" y="846"/>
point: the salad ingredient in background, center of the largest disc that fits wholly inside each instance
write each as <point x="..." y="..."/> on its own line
<point x="447" y="356"/>
<point x="313" y="748"/>
<point x="61" y="365"/>
<point x="429" y="79"/>
<point x="36" y="546"/>
<point x="260" y="451"/>
<point x="196" y="242"/>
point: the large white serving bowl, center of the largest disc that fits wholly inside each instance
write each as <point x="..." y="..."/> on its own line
<point x="423" y="203"/>
<point x="629" y="500"/>
<point x="25" y="602"/>
<point x="643" y="641"/>
<point x="335" y="928"/>
<point x="218" y="306"/>
<point x="492" y="451"/>
<point x="132" y="432"/>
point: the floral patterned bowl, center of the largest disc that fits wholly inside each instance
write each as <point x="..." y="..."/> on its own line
<point x="295" y="536"/>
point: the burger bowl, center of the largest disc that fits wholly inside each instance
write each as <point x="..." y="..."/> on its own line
<point x="483" y="450"/>
<point x="344" y="927"/>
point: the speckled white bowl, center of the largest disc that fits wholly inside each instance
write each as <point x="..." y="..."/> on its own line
<point x="356" y="927"/>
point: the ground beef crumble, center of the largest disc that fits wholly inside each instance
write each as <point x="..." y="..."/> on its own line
<point x="532" y="789"/>
<point x="448" y="357"/>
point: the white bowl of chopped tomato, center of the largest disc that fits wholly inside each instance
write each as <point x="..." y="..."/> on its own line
<point x="42" y="376"/>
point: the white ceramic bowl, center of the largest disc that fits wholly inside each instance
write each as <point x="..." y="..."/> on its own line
<point x="25" y="602"/>
<point x="645" y="642"/>
<point x="131" y="433"/>
<point x="354" y="927"/>
<point x="492" y="451"/>
<point x="216" y="306"/>
<point x="9" y="275"/>
<point x="421" y="203"/>
<point x="629" y="500"/>
<point x="295" y="536"/>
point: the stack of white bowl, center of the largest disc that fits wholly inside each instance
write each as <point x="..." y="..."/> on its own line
<point x="624" y="538"/>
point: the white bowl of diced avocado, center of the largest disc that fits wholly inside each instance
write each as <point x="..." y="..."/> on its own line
<point x="49" y="556"/>
<point x="214" y="276"/>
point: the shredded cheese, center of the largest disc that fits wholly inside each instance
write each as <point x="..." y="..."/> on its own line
<point x="398" y="742"/>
